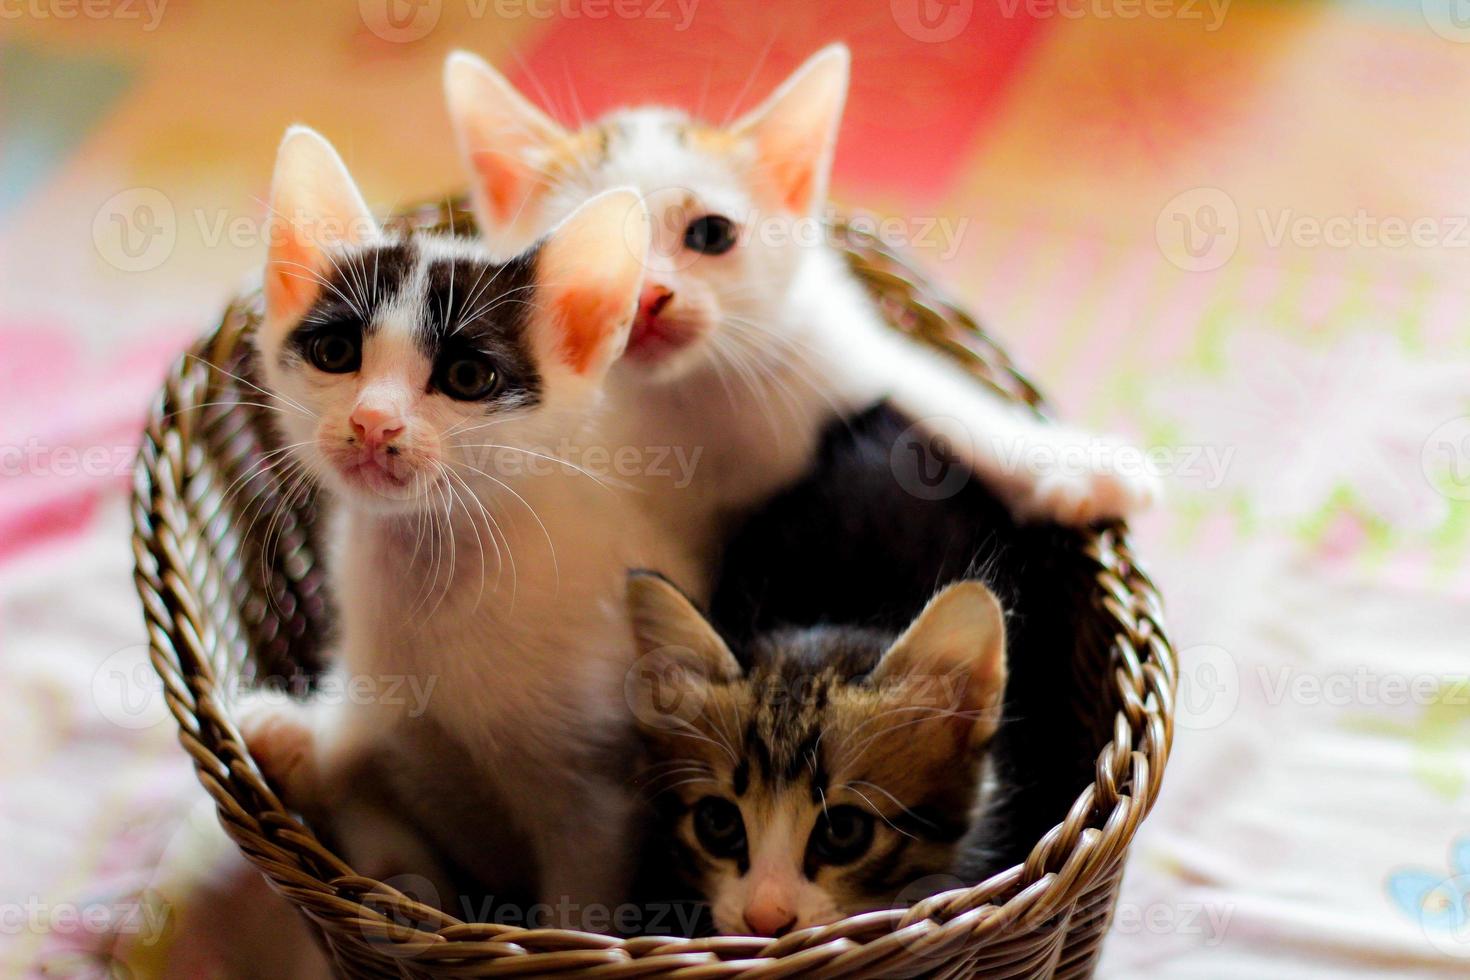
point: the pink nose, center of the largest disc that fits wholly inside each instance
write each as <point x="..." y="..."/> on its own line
<point x="653" y="300"/>
<point x="375" y="427"/>
<point x="769" y="919"/>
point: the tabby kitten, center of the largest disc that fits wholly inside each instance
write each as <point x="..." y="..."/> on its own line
<point x="844" y="560"/>
<point x="814" y="773"/>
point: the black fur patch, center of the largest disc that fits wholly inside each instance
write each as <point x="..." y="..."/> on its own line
<point x="832" y="569"/>
<point x="357" y="286"/>
<point x="467" y="305"/>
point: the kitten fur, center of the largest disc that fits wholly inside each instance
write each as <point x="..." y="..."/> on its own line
<point x="850" y="554"/>
<point x="444" y="568"/>
<point x="754" y="350"/>
<point x="809" y="730"/>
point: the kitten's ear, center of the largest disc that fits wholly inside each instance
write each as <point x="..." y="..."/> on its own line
<point x="953" y="658"/>
<point x="314" y="207"/>
<point x="502" y="139"/>
<point x="665" y="622"/>
<point x="795" y="130"/>
<point x="589" y="270"/>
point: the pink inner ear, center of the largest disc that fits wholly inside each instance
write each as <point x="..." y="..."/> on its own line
<point x="789" y="164"/>
<point x="794" y="181"/>
<point x="290" y="279"/>
<point x="505" y="182"/>
<point x="587" y="317"/>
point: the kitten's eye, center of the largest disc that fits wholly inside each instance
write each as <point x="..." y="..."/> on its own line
<point x="713" y="234"/>
<point x="335" y="353"/>
<point x="843" y="834"/>
<point x="468" y="378"/>
<point x="719" y="827"/>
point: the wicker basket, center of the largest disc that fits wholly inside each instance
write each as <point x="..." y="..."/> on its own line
<point x="229" y="579"/>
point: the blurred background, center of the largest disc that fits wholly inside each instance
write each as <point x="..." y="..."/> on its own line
<point x="1237" y="230"/>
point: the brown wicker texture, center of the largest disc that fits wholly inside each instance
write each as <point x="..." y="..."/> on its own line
<point x="229" y="580"/>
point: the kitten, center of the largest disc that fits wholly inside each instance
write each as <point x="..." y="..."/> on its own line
<point x="851" y="551"/>
<point x="817" y="772"/>
<point x="396" y="365"/>
<point x="752" y="335"/>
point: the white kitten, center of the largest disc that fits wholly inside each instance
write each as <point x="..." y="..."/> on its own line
<point x="404" y="371"/>
<point x="752" y="335"/>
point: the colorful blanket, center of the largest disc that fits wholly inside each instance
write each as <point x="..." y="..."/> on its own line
<point x="1236" y="230"/>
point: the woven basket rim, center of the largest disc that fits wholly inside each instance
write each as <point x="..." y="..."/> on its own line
<point x="1017" y="909"/>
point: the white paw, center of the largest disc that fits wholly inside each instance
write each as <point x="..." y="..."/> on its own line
<point x="279" y="734"/>
<point x="1079" y="499"/>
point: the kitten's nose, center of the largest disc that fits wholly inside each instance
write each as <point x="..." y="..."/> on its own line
<point x="769" y="919"/>
<point x="375" y="427"/>
<point x="652" y="301"/>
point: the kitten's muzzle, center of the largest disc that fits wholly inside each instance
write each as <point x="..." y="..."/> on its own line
<point x="653" y="300"/>
<point x="655" y="336"/>
<point x="770" y="910"/>
<point x="374" y="429"/>
<point x="773" y="923"/>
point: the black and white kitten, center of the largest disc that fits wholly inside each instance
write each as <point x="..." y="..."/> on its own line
<point x="761" y="808"/>
<point x="402" y="370"/>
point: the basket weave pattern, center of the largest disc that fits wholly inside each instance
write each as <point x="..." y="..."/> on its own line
<point x="227" y="571"/>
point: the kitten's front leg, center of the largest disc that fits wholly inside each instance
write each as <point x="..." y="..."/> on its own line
<point x="585" y="859"/>
<point x="1050" y="472"/>
<point x="307" y="748"/>
<point x="1044" y="471"/>
<point x="281" y="734"/>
